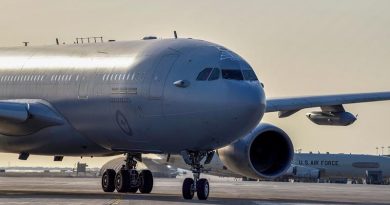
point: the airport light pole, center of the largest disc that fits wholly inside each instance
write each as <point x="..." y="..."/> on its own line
<point x="377" y="151"/>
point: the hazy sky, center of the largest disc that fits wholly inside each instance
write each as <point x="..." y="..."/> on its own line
<point x="307" y="47"/>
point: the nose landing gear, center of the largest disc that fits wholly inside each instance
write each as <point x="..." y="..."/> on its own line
<point x="128" y="179"/>
<point x="198" y="185"/>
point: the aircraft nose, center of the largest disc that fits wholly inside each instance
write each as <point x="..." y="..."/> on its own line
<point x="246" y="104"/>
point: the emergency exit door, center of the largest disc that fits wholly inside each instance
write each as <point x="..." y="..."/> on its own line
<point x="160" y="74"/>
<point x="83" y="88"/>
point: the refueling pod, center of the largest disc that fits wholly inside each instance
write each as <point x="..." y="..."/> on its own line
<point x="331" y="118"/>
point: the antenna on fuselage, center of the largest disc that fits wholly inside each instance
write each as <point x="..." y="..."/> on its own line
<point x="175" y="34"/>
<point x="25" y="43"/>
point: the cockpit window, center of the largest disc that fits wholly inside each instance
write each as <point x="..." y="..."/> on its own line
<point x="249" y="75"/>
<point x="215" y="74"/>
<point x="232" y="74"/>
<point x="204" y="74"/>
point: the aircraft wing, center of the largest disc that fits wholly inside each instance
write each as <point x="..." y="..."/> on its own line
<point x="290" y="105"/>
<point x="26" y="116"/>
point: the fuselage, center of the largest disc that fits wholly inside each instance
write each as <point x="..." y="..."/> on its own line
<point x="343" y="165"/>
<point x="149" y="96"/>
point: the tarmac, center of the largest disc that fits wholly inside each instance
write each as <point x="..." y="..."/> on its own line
<point x="32" y="190"/>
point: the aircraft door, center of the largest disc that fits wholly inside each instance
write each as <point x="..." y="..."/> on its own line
<point x="83" y="87"/>
<point x="160" y="74"/>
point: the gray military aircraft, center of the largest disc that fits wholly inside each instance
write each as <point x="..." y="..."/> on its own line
<point x="175" y="96"/>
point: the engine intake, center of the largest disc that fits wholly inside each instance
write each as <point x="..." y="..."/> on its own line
<point x="266" y="152"/>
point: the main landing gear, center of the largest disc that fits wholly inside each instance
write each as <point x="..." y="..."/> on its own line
<point x="197" y="184"/>
<point x="128" y="179"/>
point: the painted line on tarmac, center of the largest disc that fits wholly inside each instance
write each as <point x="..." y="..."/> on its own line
<point x="116" y="201"/>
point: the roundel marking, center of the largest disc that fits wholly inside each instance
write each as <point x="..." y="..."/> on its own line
<point x="123" y="123"/>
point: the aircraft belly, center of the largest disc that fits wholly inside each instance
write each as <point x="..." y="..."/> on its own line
<point x="58" y="140"/>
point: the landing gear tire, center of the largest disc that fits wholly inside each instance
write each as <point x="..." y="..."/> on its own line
<point x="128" y="179"/>
<point x="146" y="181"/>
<point x="133" y="190"/>
<point x="108" y="180"/>
<point x="188" y="188"/>
<point x="122" y="180"/>
<point x="133" y="181"/>
<point x="202" y="189"/>
<point x="200" y="186"/>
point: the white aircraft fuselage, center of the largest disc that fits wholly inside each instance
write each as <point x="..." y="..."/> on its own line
<point x="146" y="96"/>
<point x="343" y="165"/>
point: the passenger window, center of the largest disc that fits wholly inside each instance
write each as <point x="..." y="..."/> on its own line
<point x="249" y="75"/>
<point x="232" y="74"/>
<point x="215" y="74"/>
<point x="204" y="74"/>
<point x="133" y="76"/>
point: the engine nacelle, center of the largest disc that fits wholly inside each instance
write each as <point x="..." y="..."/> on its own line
<point x="266" y="152"/>
<point x="331" y="118"/>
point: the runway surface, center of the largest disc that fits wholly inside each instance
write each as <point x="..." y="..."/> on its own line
<point x="27" y="190"/>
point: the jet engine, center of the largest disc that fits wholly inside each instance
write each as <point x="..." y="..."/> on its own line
<point x="266" y="152"/>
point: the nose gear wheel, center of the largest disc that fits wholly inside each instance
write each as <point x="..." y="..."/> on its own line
<point x="199" y="185"/>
